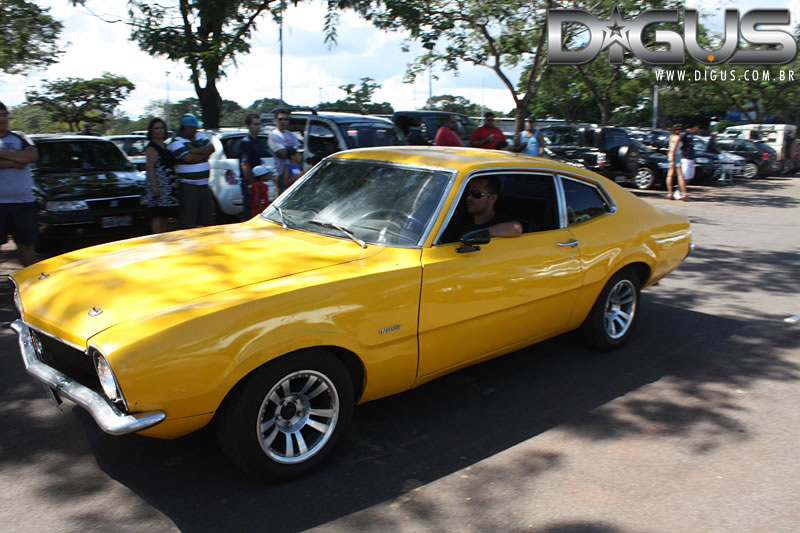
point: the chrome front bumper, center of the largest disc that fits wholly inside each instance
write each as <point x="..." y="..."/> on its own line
<point x="108" y="417"/>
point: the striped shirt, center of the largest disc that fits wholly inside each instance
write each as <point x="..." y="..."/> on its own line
<point x="192" y="173"/>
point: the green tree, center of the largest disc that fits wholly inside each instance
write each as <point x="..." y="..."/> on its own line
<point x="34" y="119"/>
<point x="454" y="104"/>
<point x="493" y="34"/>
<point x="75" y="100"/>
<point x="28" y="36"/>
<point x="361" y="96"/>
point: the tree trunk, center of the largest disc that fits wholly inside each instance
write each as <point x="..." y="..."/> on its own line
<point x="210" y="103"/>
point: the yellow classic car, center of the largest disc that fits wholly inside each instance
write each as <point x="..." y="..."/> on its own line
<point x="366" y="278"/>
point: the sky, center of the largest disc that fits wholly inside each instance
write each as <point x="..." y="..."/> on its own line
<point x="312" y="70"/>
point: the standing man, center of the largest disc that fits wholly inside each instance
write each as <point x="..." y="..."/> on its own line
<point x="687" y="150"/>
<point x="279" y="140"/>
<point x="17" y="204"/>
<point x="487" y="136"/>
<point x="191" y="149"/>
<point x="530" y="141"/>
<point x="447" y="135"/>
<point x="250" y="154"/>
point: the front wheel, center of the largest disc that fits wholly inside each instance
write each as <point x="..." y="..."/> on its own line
<point x="287" y="417"/>
<point x="611" y="320"/>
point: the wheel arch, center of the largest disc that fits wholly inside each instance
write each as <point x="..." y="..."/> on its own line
<point x="353" y="364"/>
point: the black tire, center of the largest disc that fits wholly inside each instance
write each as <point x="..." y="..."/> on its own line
<point x="286" y="418"/>
<point x="613" y="316"/>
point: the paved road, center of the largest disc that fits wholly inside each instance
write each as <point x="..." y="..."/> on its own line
<point x="692" y="426"/>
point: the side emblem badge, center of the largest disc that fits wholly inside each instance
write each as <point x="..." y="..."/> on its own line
<point x="96" y="311"/>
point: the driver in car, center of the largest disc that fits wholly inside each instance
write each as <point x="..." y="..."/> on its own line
<point x="479" y="212"/>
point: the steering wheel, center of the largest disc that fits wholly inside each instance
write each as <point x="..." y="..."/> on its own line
<point x="401" y="219"/>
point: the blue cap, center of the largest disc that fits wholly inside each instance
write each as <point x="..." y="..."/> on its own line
<point x="190" y="119"/>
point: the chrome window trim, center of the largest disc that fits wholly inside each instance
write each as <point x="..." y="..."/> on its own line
<point x="589" y="182"/>
<point x="490" y="171"/>
<point x="408" y="166"/>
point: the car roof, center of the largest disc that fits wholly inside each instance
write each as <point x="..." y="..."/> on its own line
<point x="125" y="136"/>
<point x="66" y="137"/>
<point x="449" y="157"/>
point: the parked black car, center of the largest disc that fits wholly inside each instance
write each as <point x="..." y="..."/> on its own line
<point x="653" y="166"/>
<point x="420" y="127"/>
<point x="606" y="150"/>
<point x="761" y="160"/>
<point x="84" y="185"/>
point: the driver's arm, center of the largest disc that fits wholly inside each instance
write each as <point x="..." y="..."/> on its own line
<point x="506" y="229"/>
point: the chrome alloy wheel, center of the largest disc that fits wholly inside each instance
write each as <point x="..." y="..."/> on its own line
<point x="620" y="309"/>
<point x="645" y="178"/>
<point x="298" y="416"/>
<point x="750" y="170"/>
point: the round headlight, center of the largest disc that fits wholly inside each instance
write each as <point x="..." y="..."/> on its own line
<point x="106" y="377"/>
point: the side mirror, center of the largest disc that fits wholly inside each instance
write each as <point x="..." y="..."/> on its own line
<point x="472" y="239"/>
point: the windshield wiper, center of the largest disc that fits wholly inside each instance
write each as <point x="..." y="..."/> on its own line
<point x="333" y="225"/>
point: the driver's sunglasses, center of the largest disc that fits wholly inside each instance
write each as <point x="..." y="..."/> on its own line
<point x="283" y="118"/>
<point x="475" y="193"/>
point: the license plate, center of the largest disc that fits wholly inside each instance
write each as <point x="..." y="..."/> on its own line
<point x="116" y="222"/>
<point x="620" y="179"/>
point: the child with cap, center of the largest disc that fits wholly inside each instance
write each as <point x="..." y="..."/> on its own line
<point x="263" y="191"/>
<point x="293" y="169"/>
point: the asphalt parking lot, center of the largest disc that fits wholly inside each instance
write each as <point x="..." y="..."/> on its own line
<point x="691" y="426"/>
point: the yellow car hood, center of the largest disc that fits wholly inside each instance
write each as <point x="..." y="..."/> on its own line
<point x="79" y="294"/>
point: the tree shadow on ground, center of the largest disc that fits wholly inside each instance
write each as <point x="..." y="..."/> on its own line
<point x="400" y="443"/>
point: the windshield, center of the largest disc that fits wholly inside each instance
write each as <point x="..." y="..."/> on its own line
<point x="81" y="155"/>
<point x="363" y="134"/>
<point x="378" y="203"/>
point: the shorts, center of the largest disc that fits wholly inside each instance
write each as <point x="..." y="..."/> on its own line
<point x="20" y="221"/>
<point x="687" y="166"/>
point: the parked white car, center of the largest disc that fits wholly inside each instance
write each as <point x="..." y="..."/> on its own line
<point x="225" y="173"/>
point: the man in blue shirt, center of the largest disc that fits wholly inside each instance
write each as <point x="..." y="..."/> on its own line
<point x="250" y="153"/>
<point x="17" y="204"/>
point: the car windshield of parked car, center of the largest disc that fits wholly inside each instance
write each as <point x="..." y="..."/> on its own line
<point x="378" y="203"/>
<point x="86" y="155"/>
<point x="363" y="134"/>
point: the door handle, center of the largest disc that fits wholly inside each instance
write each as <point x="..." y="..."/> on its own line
<point x="571" y="242"/>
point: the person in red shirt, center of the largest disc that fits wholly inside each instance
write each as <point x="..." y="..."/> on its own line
<point x="447" y="135"/>
<point x="488" y="136"/>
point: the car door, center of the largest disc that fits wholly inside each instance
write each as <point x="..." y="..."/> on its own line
<point x="511" y="292"/>
<point x="320" y="142"/>
<point x="589" y="217"/>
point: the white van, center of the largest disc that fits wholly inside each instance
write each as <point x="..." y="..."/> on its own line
<point x="780" y="137"/>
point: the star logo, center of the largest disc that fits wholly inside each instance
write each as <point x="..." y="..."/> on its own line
<point x="615" y="38"/>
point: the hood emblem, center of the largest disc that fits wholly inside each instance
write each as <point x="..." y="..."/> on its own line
<point x="44" y="276"/>
<point x="96" y="311"/>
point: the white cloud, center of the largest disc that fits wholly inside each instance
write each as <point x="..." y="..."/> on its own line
<point x="312" y="70"/>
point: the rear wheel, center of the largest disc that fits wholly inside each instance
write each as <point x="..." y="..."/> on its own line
<point x="750" y="170"/>
<point x="287" y="417"/>
<point x="611" y="320"/>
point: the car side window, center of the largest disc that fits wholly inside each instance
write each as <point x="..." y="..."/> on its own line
<point x="321" y="141"/>
<point x="530" y="199"/>
<point x="584" y="202"/>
